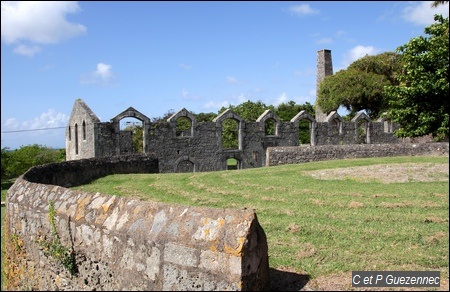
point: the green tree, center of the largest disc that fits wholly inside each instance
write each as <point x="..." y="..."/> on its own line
<point x="419" y="104"/>
<point x="5" y="162"/>
<point x="437" y="3"/>
<point x="20" y="160"/>
<point x="286" y="111"/>
<point x="249" y="111"/>
<point x="137" y="136"/>
<point x="361" y="85"/>
<point x="205" y="117"/>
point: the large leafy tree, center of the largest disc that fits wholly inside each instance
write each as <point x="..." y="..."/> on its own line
<point x="361" y="85"/>
<point x="20" y="160"/>
<point x="419" y="104"/>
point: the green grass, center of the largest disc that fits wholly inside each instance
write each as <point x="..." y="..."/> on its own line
<point x="316" y="226"/>
<point x="320" y="227"/>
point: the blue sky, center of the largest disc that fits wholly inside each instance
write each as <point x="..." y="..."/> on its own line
<point x="164" y="56"/>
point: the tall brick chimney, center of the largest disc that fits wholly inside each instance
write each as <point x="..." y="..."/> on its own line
<point x="324" y="68"/>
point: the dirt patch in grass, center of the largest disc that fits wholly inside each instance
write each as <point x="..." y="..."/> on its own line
<point x="387" y="173"/>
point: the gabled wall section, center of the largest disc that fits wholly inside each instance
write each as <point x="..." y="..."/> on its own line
<point x="80" y="132"/>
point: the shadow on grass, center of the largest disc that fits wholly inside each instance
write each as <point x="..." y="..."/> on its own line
<point x="287" y="281"/>
<point x="7" y="184"/>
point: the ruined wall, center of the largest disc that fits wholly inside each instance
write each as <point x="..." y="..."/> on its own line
<point x="200" y="147"/>
<point x="302" y="154"/>
<point x="80" y="133"/>
<point x="121" y="243"/>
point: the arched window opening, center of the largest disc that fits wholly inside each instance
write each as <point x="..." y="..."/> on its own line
<point x="185" y="166"/>
<point x="84" y="131"/>
<point x="184" y="127"/>
<point x="76" y="139"/>
<point x="230" y="134"/>
<point x="70" y="134"/>
<point x="233" y="163"/>
<point x="336" y="127"/>
<point x="270" y="127"/>
<point x="304" y="132"/>
<point x="362" y="131"/>
<point x="131" y="136"/>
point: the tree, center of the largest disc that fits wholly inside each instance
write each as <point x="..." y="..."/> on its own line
<point x="249" y="111"/>
<point x="286" y="111"/>
<point x="5" y="161"/>
<point x="20" y="160"/>
<point x="361" y="85"/>
<point x="419" y="104"/>
<point x="437" y="3"/>
<point x="137" y="136"/>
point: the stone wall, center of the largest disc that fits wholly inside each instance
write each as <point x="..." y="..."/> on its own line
<point x="121" y="243"/>
<point x="302" y="154"/>
<point x="200" y="148"/>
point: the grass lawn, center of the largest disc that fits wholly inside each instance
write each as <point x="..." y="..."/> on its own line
<point x="324" y="219"/>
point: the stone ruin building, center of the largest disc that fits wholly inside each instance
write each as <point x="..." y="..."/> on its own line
<point x="199" y="148"/>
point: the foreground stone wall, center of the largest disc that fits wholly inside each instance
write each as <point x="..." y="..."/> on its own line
<point x="301" y="154"/>
<point x="119" y="243"/>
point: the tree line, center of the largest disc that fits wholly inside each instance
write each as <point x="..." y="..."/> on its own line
<point x="409" y="87"/>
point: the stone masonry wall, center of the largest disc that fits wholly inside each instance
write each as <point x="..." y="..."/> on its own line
<point x="302" y="154"/>
<point x="200" y="148"/>
<point x="121" y="243"/>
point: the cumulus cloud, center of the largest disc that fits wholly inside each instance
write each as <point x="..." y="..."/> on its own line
<point x="102" y="75"/>
<point x="284" y="98"/>
<point x="302" y="9"/>
<point x="37" y="22"/>
<point x="29" y="51"/>
<point x="49" y="119"/>
<point x="103" y="71"/>
<point x="357" y="53"/>
<point x="46" y="129"/>
<point x="421" y="12"/>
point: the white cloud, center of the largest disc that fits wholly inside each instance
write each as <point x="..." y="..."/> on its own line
<point x="184" y="93"/>
<point x="40" y="22"/>
<point x="49" y="119"/>
<point x="280" y="99"/>
<point x="102" y="75"/>
<point x="284" y="98"/>
<point x="421" y="12"/>
<point x="324" y="41"/>
<point x="37" y="22"/>
<point x="47" y="129"/>
<point x="27" y="50"/>
<point x="303" y="9"/>
<point x="103" y="71"/>
<point x="215" y="105"/>
<point x="357" y="53"/>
